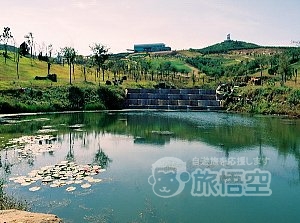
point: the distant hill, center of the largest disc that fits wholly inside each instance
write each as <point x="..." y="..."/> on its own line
<point x="9" y="48"/>
<point x="226" y="46"/>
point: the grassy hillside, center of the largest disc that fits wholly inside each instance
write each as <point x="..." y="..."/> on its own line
<point x="28" y="69"/>
<point x="9" y="48"/>
<point x="226" y="46"/>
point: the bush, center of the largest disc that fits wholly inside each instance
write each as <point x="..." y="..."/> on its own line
<point x="112" y="97"/>
<point x="8" y="202"/>
<point x="294" y="97"/>
<point x="76" y="97"/>
<point x="62" y="98"/>
<point x="94" y="106"/>
<point x="268" y="100"/>
<point x="7" y="106"/>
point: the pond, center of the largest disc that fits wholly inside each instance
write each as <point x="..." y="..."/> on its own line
<point x="154" y="166"/>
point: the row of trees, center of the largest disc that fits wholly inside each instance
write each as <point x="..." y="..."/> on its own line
<point x="100" y="55"/>
<point x="279" y="63"/>
<point x="136" y="68"/>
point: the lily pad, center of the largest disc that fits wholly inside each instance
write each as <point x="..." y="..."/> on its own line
<point x="25" y="184"/>
<point x="71" y="189"/>
<point x="86" y="185"/>
<point x="34" y="188"/>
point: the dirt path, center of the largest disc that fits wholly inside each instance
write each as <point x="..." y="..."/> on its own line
<point x="15" y="216"/>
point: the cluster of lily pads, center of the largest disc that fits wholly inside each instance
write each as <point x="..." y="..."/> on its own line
<point x="28" y="146"/>
<point x="62" y="174"/>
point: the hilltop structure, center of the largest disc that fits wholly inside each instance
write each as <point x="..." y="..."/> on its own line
<point x="228" y="37"/>
<point x="153" y="47"/>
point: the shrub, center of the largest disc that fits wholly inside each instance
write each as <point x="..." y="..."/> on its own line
<point x="94" y="106"/>
<point x="294" y="97"/>
<point x="113" y="98"/>
<point x="76" y="97"/>
<point x="7" y="106"/>
<point x="8" y="202"/>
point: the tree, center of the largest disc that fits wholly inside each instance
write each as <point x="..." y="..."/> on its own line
<point x="24" y="49"/>
<point x="83" y="62"/>
<point x="262" y="60"/>
<point x="284" y="67"/>
<point x="70" y="54"/>
<point x="49" y="59"/>
<point x="5" y="37"/>
<point x="17" y="62"/>
<point x="100" y="56"/>
<point x="294" y="54"/>
<point x="29" y="38"/>
<point x="50" y="49"/>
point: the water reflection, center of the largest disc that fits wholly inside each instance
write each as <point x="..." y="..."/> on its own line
<point x="7" y="165"/>
<point x="127" y="144"/>
<point x="227" y="133"/>
<point x="70" y="155"/>
<point x="101" y="158"/>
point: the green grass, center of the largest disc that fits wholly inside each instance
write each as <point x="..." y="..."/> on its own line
<point x="178" y="64"/>
<point x="28" y="69"/>
<point x="189" y="53"/>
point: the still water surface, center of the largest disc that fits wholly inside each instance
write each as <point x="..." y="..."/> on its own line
<point x="126" y="144"/>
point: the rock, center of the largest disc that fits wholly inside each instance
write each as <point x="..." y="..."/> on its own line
<point x="14" y="216"/>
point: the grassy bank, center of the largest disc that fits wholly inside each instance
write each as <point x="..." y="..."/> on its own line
<point x="61" y="98"/>
<point x="281" y="100"/>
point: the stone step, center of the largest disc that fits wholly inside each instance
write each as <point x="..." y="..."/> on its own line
<point x="171" y="96"/>
<point x="172" y="91"/>
<point x="172" y="102"/>
<point x="174" y="107"/>
<point x="172" y="99"/>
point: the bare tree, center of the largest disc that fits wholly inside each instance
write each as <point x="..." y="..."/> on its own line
<point x="50" y="49"/>
<point x="5" y="37"/>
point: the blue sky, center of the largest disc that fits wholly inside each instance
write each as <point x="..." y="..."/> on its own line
<point x="181" y="24"/>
